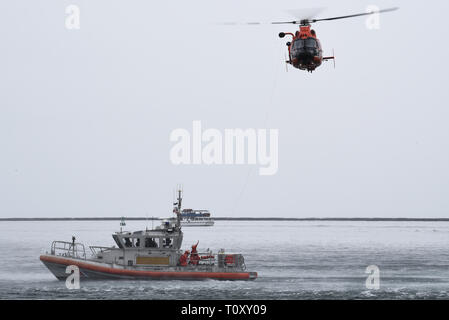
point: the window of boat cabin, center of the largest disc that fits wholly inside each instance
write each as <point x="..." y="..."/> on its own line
<point x="151" y="242"/>
<point x="117" y="241"/>
<point x="167" y="242"/>
<point x="128" y="242"/>
<point x="131" y="242"/>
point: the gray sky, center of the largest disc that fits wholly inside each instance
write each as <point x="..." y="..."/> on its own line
<point x="85" y="115"/>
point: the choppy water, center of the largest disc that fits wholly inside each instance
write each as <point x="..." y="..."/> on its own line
<point x="295" y="260"/>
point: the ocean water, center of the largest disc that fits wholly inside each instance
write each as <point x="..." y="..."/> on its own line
<point x="294" y="260"/>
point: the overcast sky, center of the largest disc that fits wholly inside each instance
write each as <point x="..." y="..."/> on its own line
<point x="85" y="115"/>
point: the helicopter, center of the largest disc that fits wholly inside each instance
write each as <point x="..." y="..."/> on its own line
<point x="304" y="49"/>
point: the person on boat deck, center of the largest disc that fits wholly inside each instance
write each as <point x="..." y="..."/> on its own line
<point x="183" y="258"/>
<point x="128" y="243"/>
<point x="194" y="256"/>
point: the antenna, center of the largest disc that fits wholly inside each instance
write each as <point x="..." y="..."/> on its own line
<point x="122" y="223"/>
<point x="180" y="192"/>
<point x="146" y="220"/>
<point x="177" y="206"/>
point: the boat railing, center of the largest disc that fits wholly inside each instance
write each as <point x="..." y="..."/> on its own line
<point x="68" y="249"/>
<point x="98" y="249"/>
<point x="209" y="258"/>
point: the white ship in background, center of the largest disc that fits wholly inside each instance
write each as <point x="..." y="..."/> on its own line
<point x="196" y="218"/>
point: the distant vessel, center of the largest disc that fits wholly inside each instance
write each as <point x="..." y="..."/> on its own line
<point x="199" y="218"/>
<point x="146" y="254"/>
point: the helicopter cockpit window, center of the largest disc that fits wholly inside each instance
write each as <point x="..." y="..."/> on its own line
<point x="298" y="44"/>
<point x="310" y="43"/>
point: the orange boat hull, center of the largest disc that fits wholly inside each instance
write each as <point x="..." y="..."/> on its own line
<point x="95" y="270"/>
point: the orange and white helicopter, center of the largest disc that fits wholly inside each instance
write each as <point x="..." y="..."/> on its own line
<point x="304" y="49"/>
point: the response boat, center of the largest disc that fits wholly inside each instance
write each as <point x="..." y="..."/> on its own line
<point x="146" y="254"/>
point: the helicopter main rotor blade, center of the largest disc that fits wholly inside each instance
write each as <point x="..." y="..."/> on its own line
<point x="308" y="21"/>
<point x="287" y="22"/>
<point x="241" y="23"/>
<point x="299" y="14"/>
<point x="356" y="15"/>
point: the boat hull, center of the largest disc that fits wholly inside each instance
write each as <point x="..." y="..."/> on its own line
<point x="97" y="270"/>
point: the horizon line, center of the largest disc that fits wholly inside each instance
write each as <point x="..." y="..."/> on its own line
<point x="227" y="219"/>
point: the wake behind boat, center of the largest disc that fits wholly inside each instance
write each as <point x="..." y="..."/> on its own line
<point x="146" y="254"/>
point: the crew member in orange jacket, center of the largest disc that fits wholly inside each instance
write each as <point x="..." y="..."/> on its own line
<point x="183" y="259"/>
<point x="194" y="257"/>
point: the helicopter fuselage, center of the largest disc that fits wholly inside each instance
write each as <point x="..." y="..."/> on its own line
<point x="304" y="49"/>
